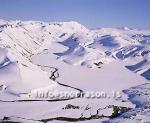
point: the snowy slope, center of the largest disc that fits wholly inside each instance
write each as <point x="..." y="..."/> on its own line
<point x="38" y="57"/>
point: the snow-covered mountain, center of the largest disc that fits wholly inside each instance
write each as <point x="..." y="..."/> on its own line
<point x="38" y="57"/>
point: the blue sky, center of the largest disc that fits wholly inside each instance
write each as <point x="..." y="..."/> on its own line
<point x="91" y="13"/>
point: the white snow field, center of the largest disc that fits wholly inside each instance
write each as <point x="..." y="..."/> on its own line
<point x="104" y="72"/>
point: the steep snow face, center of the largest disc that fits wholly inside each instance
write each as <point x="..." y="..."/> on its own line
<point x="71" y="43"/>
<point x="39" y="57"/>
<point x="9" y="72"/>
<point x="81" y="45"/>
<point x="18" y="78"/>
<point x="19" y="40"/>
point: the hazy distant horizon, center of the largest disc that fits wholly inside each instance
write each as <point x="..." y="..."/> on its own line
<point x="77" y="22"/>
<point x="90" y="13"/>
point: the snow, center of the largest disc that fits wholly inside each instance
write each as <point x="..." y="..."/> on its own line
<point x="87" y="79"/>
<point x="106" y="60"/>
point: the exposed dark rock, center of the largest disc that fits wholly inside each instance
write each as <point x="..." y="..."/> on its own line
<point x="69" y="106"/>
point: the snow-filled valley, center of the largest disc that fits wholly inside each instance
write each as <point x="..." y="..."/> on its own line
<point x="106" y="70"/>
